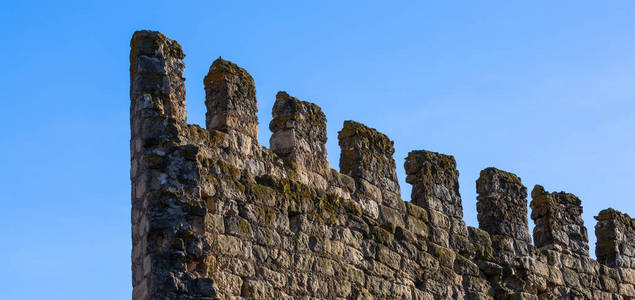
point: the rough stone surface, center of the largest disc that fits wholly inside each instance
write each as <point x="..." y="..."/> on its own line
<point x="559" y="224"/>
<point x="299" y="137"/>
<point x="215" y="215"/>
<point x="230" y="98"/>
<point x="615" y="239"/>
<point x="502" y="208"/>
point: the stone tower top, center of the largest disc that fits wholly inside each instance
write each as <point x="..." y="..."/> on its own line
<point x="215" y="215"/>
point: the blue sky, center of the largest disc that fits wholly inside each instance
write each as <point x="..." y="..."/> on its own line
<point x="543" y="89"/>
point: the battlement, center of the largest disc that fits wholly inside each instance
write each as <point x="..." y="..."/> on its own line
<point x="558" y="218"/>
<point x="502" y="210"/>
<point x="215" y="215"/>
<point x="299" y="137"/>
<point x="615" y="233"/>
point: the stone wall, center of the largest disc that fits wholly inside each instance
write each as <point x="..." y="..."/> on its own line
<point x="215" y="215"/>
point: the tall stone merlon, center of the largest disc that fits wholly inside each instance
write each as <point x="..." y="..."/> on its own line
<point x="502" y="210"/>
<point x="230" y="98"/>
<point x="435" y="187"/>
<point x="559" y="224"/>
<point x="367" y="156"/>
<point x="435" y="182"/>
<point x="156" y="73"/>
<point x="157" y="92"/>
<point x="169" y="246"/>
<point x="615" y="232"/>
<point x="299" y="135"/>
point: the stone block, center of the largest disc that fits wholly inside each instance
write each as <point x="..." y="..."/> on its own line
<point x="367" y="154"/>
<point x="230" y="98"/>
<point x="257" y="289"/>
<point x="502" y="204"/>
<point x="559" y="224"/>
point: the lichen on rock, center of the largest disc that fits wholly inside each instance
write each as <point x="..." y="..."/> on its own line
<point x="215" y="215"/>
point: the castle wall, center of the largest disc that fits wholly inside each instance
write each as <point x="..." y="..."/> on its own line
<point x="215" y="215"/>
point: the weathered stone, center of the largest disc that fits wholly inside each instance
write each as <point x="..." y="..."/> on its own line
<point x="559" y="224"/>
<point x="615" y="234"/>
<point x="230" y="99"/>
<point x="434" y="178"/>
<point x="502" y="205"/>
<point x="156" y="70"/>
<point x="215" y="215"/>
<point x="366" y="155"/>
<point x="299" y="134"/>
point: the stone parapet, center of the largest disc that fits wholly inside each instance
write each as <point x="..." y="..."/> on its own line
<point x="435" y="187"/>
<point x="559" y="224"/>
<point x="169" y="246"/>
<point x="156" y="73"/>
<point x="230" y="98"/>
<point x="615" y="232"/>
<point x="215" y="215"/>
<point x="367" y="156"/>
<point x="299" y="136"/>
<point x="435" y="182"/>
<point x="502" y="209"/>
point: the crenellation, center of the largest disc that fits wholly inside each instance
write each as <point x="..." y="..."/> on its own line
<point x="435" y="187"/>
<point x="615" y="234"/>
<point x="156" y="89"/>
<point x="502" y="208"/>
<point x="230" y="98"/>
<point x="434" y="180"/>
<point x="156" y="74"/>
<point x="367" y="156"/>
<point x="299" y="136"/>
<point x="559" y="224"/>
<point x="502" y="214"/>
<point x="168" y="214"/>
<point x="215" y="215"/>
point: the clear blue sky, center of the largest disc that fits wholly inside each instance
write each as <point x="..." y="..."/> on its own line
<point x="544" y="89"/>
